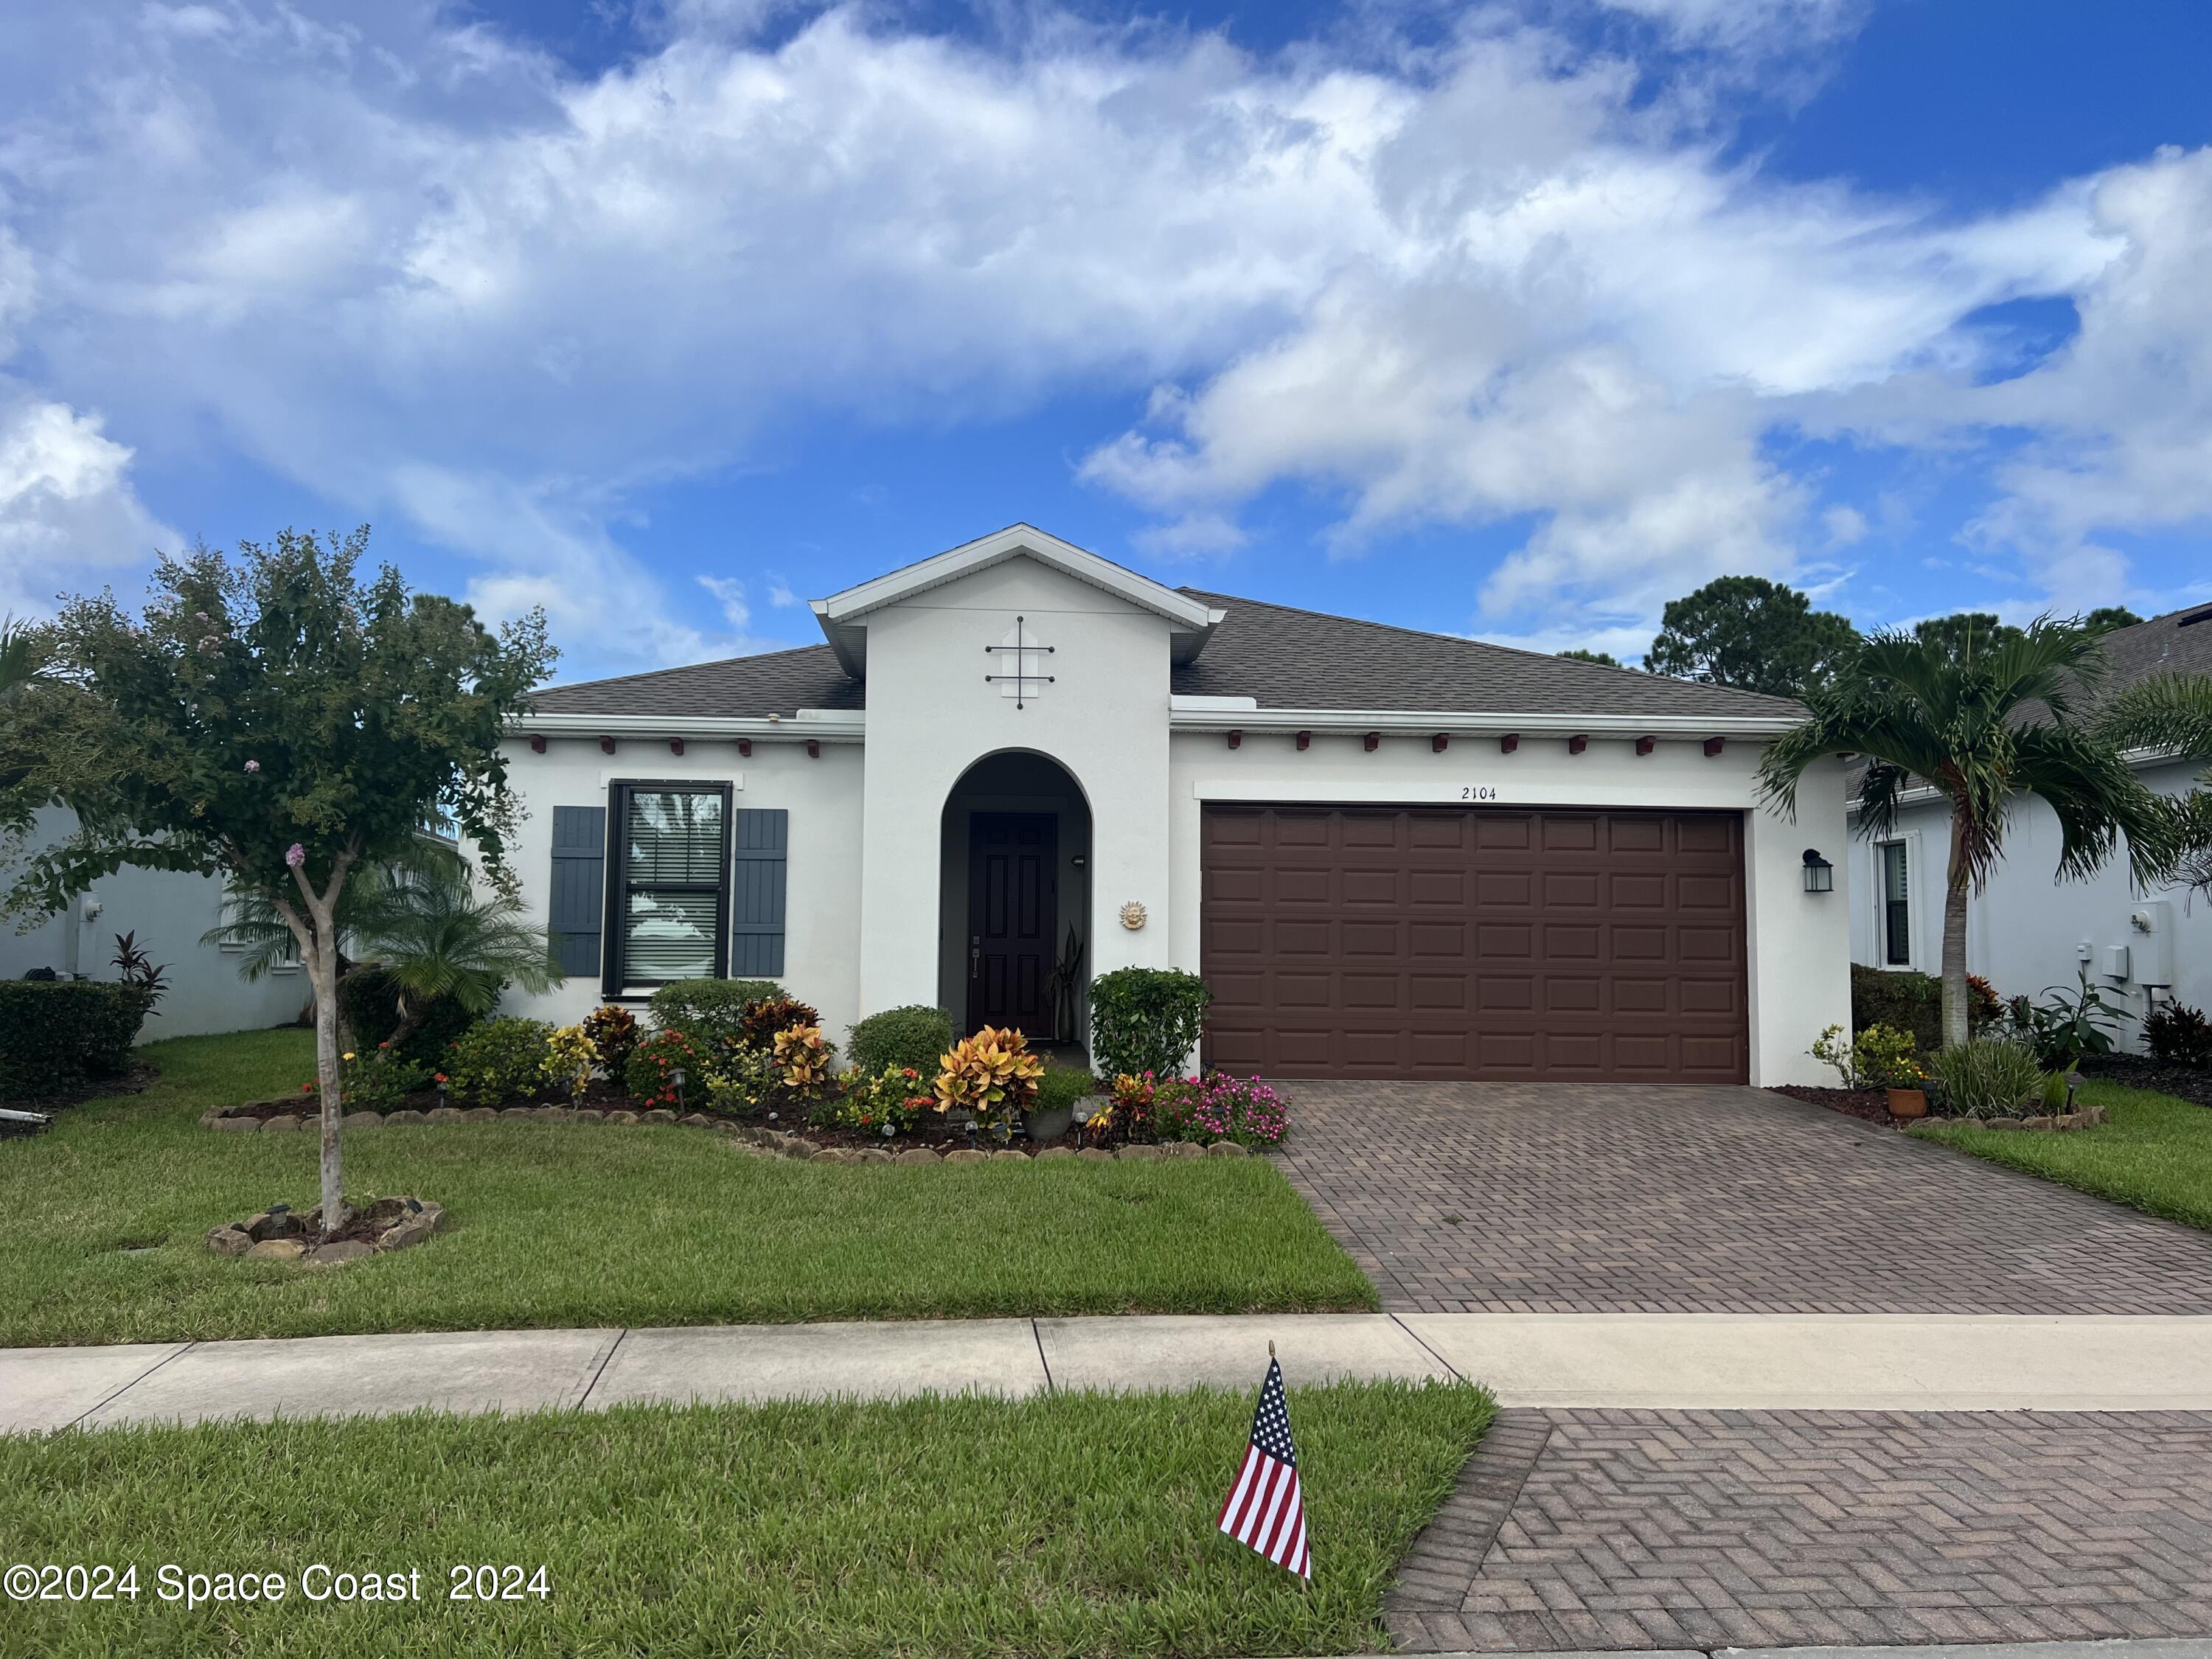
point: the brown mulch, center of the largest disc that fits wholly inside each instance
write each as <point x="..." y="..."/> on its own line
<point x="1871" y="1105"/>
<point x="933" y="1135"/>
<point x="133" y="1081"/>
<point x="2189" y="1083"/>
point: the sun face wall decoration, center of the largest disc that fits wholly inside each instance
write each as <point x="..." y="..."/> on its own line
<point x="1132" y="916"/>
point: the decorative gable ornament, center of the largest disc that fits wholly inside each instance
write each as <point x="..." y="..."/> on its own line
<point x="1018" y="664"/>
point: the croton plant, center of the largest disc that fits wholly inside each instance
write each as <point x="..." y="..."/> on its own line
<point x="992" y="1074"/>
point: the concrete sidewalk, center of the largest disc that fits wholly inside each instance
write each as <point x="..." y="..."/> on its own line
<point x="1659" y="1361"/>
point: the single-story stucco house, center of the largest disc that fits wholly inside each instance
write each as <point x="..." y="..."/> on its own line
<point x="1390" y="853"/>
<point x="2033" y="930"/>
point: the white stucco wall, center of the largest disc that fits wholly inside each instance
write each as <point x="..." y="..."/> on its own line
<point x="2025" y="932"/>
<point x="821" y="899"/>
<point x="169" y="911"/>
<point x="932" y="715"/>
<point x="1799" y="943"/>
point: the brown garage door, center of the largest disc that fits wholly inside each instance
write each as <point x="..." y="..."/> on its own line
<point x="1475" y="943"/>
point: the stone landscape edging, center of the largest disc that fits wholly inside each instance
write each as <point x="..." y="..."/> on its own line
<point x="2057" y="1123"/>
<point x="783" y="1142"/>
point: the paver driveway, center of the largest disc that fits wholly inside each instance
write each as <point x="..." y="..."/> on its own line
<point x="1572" y="1198"/>
<point x="1685" y="1530"/>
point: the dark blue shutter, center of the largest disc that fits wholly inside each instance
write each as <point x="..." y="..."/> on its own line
<point x="578" y="909"/>
<point x="756" y="893"/>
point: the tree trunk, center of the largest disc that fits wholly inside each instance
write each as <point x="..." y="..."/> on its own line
<point x="1955" y="940"/>
<point x="322" y="968"/>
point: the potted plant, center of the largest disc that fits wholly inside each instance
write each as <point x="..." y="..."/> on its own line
<point x="1889" y="1058"/>
<point x="1051" y="1111"/>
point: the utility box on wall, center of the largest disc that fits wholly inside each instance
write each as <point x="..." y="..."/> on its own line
<point x="2150" y="950"/>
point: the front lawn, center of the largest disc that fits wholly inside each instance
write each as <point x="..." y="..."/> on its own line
<point x="2154" y="1153"/>
<point x="558" y="1225"/>
<point x="1063" y="1525"/>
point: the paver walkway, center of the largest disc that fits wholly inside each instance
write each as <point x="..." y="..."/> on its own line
<point x="1573" y="1198"/>
<point x="1641" y="1530"/>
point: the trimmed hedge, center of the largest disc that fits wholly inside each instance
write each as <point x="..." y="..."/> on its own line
<point x="370" y="1003"/>
<point x="1913" y="1002"/>
<point x="1145" y="1019"/>
<point x="913" y="1036"/>
<point x="711" y="1010"/>
<point x="57" y="1035"/>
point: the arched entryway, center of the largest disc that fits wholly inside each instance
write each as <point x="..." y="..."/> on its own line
<point x="1015" y="878"/>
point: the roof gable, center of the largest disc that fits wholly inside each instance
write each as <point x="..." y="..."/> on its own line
<point x="844" y="615"/>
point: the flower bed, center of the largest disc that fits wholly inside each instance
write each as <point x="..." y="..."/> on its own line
<point x="937" y="1141"/>
<point x="757" y="1060"/>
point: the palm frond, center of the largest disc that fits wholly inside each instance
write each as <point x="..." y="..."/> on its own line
<point x="2164" y="711"/>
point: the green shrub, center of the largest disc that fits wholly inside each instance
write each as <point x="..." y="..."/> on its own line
<point x="1989" y="1077"/>
<point x="1907" y="1001"/>
<point x="1145" y="1019"/>
<point x="710" y="1011"/>
<point x="370" y="1003"/>
<point x="896" y="1101"/>
<point x="2179" y="1035"/>
<point x="650" y="1077"/>
<point x="1063" y="1086"/>
<point x="913" y="1036"/>
<point x="377" y="1080"/>
<point x="60" y="1034"/>
<point x="496" y="1062"/>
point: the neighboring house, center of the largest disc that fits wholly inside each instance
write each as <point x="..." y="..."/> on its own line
<point x="168" y="912"/>
<point x="1391" y="854"/>
<point x="2032" y="929"/>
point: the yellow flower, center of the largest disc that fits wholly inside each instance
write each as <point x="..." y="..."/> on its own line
<point x="349" y="1056"/>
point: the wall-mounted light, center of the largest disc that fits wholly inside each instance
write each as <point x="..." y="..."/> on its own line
<point x="1819" y="874"/>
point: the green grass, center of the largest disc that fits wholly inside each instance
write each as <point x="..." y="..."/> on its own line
<point x="1064" y="1525"/>
<point x="554" y="1224"/>
<point x="2153" y="1153"/>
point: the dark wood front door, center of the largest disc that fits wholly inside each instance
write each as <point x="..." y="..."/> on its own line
<point x="1014" y="865"/>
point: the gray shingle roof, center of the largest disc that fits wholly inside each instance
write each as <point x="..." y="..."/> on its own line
<point x="1286" y="658"/>
<point x="737" y="688"/>
<point x="2168" y="644"/>
<point x="1290" y="658"/>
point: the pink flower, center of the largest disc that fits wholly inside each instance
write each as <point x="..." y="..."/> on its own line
<point x="252" y="766"/>
<point x="295" y="855"/>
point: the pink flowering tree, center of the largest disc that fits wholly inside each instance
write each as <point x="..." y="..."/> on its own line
<point x="280" y="723"/>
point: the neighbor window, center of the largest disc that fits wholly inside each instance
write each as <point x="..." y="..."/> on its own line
<point x="672" y="892"/>
<point x="1896" y="907"/>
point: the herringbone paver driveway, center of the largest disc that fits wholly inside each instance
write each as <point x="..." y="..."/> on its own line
<point x="1567" y="1198"/>
<point x="1681" y="1530"/>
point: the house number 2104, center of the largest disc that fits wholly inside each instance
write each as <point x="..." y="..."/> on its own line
<point x="1478" y="792"/>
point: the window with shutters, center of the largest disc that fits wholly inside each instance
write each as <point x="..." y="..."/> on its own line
<point x="670" y="882"/>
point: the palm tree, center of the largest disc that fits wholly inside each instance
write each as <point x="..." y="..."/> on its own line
<point x="2174" y="712"/>
<point x="1981" y="727"/>
<point x="445" y="938"/>
<point x="421" y="921"/>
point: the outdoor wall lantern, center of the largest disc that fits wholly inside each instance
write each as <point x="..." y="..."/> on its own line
<point x="1819" y="874"/>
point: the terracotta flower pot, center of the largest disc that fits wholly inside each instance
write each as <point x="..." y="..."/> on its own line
<point x="1908" y="1103"/>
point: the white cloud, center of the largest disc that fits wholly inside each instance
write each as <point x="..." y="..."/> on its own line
<point x="69" y="515"/>
<point x="421" y="268"/>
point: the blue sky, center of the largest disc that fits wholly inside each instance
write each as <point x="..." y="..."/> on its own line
<point x="1514" y="319"/>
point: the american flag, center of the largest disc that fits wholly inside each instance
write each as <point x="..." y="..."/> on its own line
<point x="1265" y="1508"/>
